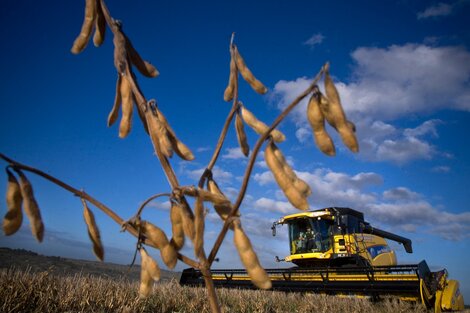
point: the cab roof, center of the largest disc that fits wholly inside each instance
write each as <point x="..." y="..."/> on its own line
<point x="316" y="213"/>
<point x="332" y="211"/>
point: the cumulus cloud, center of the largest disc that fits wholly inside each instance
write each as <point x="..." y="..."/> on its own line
<point x="314" y="40"/>
<point x="233" y="154"/>
<point x="421" y="213"/>
<point x="261" y="162"/>
<point x="219" y="174"/>
<point x="331" y="188"/>
<point x="393" y="82"/>
<point x="396" y="81"/>
<point x="303" y="134"/>
<point x="286" y="91"/>
<point x="270" y="205"/>
<point x="264" y="178"/>
<point x="388" y="84"/>
<point x="398" y="207"/>
<point x="400" y="193"/>
<point x="203" y="149"/>
<point x="440" y="9"/>
<point x="380" y="141"/>
<point x="160" y="205"/>
<point x="440" y="169"/>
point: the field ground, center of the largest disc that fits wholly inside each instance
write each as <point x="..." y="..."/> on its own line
<point x="31" y="289"/>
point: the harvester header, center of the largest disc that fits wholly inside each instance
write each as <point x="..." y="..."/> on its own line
<point x="335" y="251"/>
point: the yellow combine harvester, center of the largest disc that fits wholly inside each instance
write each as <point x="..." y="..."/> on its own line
<point x="336" y="252"/>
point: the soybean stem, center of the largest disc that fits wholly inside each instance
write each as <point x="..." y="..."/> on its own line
<point x="83" y="195"/>
<point x="252" y="160"/>
<point x="229" y="118"/>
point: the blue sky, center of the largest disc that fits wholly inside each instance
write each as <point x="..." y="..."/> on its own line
<point x="402" y="69"/>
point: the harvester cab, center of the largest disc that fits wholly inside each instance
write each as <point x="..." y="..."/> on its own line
<point x="337" y="237"/>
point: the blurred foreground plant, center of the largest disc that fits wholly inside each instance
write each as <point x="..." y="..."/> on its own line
<point x="188" y="221"/>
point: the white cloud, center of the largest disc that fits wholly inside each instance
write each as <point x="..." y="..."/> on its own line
<point x="230" y="192"/>
<point x="394" y="82"/>
<point x="420" y="213"/>
<point x="397" y="207"/>
<point x="264" y="178"/>
<point x="160" y="205"/>
<point x="383" y="142"/>
<point x="303" y="134"/>
<point x="314" y="40"/>
<point x="203" y="149"/>
<point x="400" y="193"/>
<point x="261" y="162"/>
<point x="331" y="188"/>
<point x="399" y="80"/>
<point x="286" y="91"/>
<point x="270" y="205"/>
<point x="219" y="174"/>
<point x="440" y="9"/>
<point x="358" y="181"/>
<point x="389" y="84"/>
<point x="233" y="154"/>
<point x="428" y="127"/>
<point x="440" y="169"/>
<point x="404" y="150"/>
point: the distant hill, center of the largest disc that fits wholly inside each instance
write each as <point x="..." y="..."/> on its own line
<point x="33" y="262"/>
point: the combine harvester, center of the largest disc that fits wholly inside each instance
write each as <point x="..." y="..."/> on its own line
<point x="336" y="252"/>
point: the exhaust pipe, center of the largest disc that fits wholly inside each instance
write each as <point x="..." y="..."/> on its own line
<point x="366" y="228"/>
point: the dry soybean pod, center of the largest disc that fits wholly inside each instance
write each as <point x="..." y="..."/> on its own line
<point x="176" y="219"/>
<point x="216" y="198"/>
<point x="337" y="113"/>
<point x="169" y="256"/>
<point x="158" y="132"/>
<point x="93" y="231"/>
<point x="100" y="25"/>
<point x="247" y="74"/>
<point x="146" y="282"/>
<point x="88" y="22"/>
<point x="158" y="237"/>
<point x="349" y="138"/>
<point x="222" y="210"/>
<point x="199" y="227"/>
<point x="317" y="122"/>
<point x="259" y="127"/>
<point x="232" y="79"/>
<point x="241" y="135"/>
<point x="250" y="261"/>
<point x="351" y="125"/>
<point x="141" y="114"/>
<point x="188" y="220"/>
<point x="154" y="234"/>
<point x="144" y="67"/>
<point x="178" y="146"/>
<point x="31" y="207"/>
<point x="113" y="115"/>
<point x="299" y="184"/>
<point x="214" y="188"/>
<point x="211" y="197"/>
<point x="127" y="107"/>
<point x="295" y="197"/>
<point x="120" y="51"/>
<point x="14" y="216"/>
<point x="149" y="264"/>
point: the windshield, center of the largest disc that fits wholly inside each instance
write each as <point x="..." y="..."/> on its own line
<point x="309" y="235"/>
